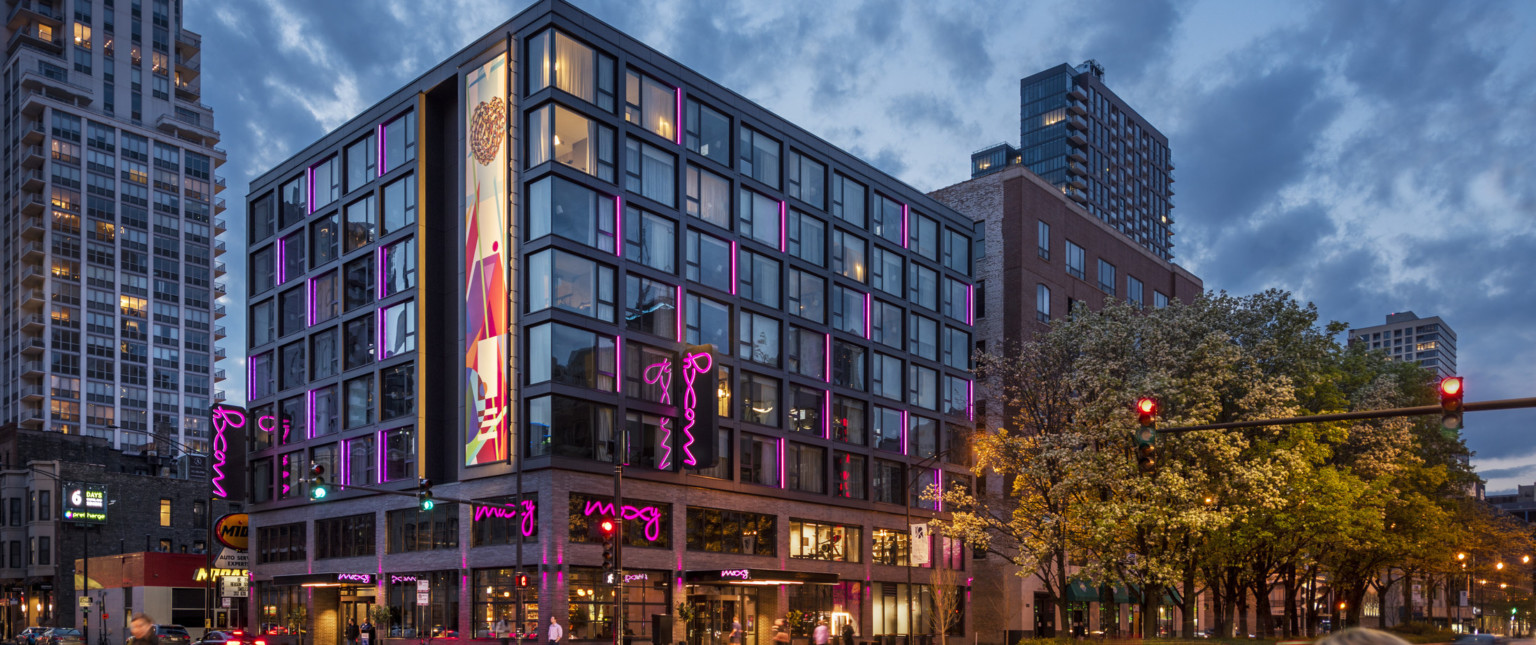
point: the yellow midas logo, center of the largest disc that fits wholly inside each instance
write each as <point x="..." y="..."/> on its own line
<point x="233" y="531"/>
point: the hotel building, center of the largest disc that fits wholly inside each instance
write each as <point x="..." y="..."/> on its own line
<point x="487" y="277"/>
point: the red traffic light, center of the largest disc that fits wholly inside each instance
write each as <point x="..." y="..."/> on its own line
<point x="522" y="580"/>
<point x="1146" y="410"/>
<point x="1450" y="386"/>
<point x="607" y="527"/>
<point x="316" y="470"/>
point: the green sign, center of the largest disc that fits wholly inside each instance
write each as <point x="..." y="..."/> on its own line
<point x="85" y="503"/>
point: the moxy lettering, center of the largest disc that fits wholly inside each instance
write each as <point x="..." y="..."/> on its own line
<point x="660" y="375"/>
<point x="529" y="513"/>
<point x="364" y="578"/>
<point x="223" y="419"/>
<point x="650" y="514"/>
<point x="742" y="574"/>
<point x="693" y="365"/>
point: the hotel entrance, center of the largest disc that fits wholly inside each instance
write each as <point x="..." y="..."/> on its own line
<point x="739" y="606"/>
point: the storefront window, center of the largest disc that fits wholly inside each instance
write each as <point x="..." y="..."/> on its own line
<point x="411" y="529"/>
<point x="722" y="531"/>
<point x="439" y="617"/>
<point x="645" y="593"/>
<point x="496" y="597"/>
<point x="282" y="608"/>
<point x="821" y="541"/>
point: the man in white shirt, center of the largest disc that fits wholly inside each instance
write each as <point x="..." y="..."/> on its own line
<point x="556" y="633"/>
<point x="823" y="634"/>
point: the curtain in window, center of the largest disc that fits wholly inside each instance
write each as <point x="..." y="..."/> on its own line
<point x="573" y="67"/>
<point x="658" y="177"/>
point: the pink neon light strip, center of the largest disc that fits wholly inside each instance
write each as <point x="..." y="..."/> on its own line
<point x="282" y="260"/>
<point x="346" y="473"/>
<point x="618" y="363"/>
<point x="379" y="277"/>
<point x="867" y="304"/>
<point x="970" y="400"/>
<point x="310" y="432"/>
<point x="679" y="306"/>
<point x="250" y="381"/>
<point x="782" y="479"/>
<point x="827" y="355"/>
<point x="734" y="253"/>
<point x="378" y="451"/>
<point x="905" y="213"/>
<point x="310" y="175"/>
<point x="379" y="323"/>
<point x="618" y="225"/>
<point x="970" y="308"/>
<point x="310" y="286"/>
<point x="783" y="230"/>
<point x="938" y="483"/>
<point x="679" y="92"/>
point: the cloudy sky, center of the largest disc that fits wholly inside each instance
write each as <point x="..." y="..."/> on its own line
<point x="1370" y="157"/>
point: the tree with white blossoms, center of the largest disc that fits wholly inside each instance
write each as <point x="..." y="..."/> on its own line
<point x="1236" y="510"/>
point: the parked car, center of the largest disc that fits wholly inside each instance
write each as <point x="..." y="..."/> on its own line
<point x="173" y="635"/>
<point x="1479" y="639"/>
<point x="227" y="637"/>
<point x="61" y="636"/>
<point x="29" y="635"/>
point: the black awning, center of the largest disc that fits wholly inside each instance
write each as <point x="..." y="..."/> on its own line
<point x="326" y="579"/>
<point x="758" y="577"/>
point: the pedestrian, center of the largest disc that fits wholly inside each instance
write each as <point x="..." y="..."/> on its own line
<point x="822" y="635"/>
<point x="353" y="633"/>
<point x="367" y="631"/>
<point x="1361" y="636"/>
<point x="735" y="631"/>
<point x="556" y="633"/>
<point x="502" y="630"/>
<point x="848" y="633"/>
<point x="143" y="628"/>
<point x="780" y="631"/>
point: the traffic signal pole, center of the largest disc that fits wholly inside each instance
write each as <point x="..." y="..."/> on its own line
<point x="619" y="455"/>
<point x="1478" y="406"/>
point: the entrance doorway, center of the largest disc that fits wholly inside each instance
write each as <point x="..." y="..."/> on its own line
<point x="1045" y="616"/>
<point x="352" y="608"/>
<point x="724" y="615"/>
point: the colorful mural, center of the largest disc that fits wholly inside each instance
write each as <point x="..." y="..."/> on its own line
<point x="486" y="390"/>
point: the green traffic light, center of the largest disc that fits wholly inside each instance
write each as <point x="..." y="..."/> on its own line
<point x="426" y="505"/>
<point x="318" y="492"/>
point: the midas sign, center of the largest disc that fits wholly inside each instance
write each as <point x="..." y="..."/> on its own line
<point x="233" y="531"/>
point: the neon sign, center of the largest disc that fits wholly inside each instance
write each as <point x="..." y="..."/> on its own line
<point x="225" y="419"/>
<point x="693" y="365"/>
<point x="529" y="514"/>
<point x="633" y="577"/>
<point x="650" y="514"/>
<point x="395" y="580"/>
<point x="364" y="578"/>
<point x="660" y="375"/>
<point x="740" y="574"/>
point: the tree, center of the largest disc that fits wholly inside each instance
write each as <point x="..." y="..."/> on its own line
<point x="944" y="589"/>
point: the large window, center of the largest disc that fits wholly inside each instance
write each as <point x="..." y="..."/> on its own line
<point x="359" y="402"/>
<point x="1106" y="277"/>
<point x="399" y="204"/>
<point x="889" y="482"/>
<point x="707" y="260"/>
<point x="1043" y="240"/>
<point x="708" y="197"/>
<point x="359" y="287"/>
<point x="650" y="104"/>
<point x="412" y="529"/>
<point x="557" y="60"/>
<point x="848" y="365"/>
<point x="848" y="475"/>
<point x="957" y="348"/>
<point x="722" y="531"/>
<point x="806" y="352"/>
<point x="708" y="322"/>
<point x="923" y="286"/>
<point x="651" y="172"/>
<point x="923" y="335"/>
<point x="848" y="420"/>
<point x="1133" y="291"/>
<point x="708" y="132"/>
<point x="885" y="324"/>
<point x="361" y="224"/>
<point x="399" y="141"/>
<point x="324" y="236"/>
<point x="399" y="329"/>
<point x="805" y="468"/>
<point x="821" y="541"/>
<point x="886" y="271"/>
<point x="759" y="156"/>
<point x="398" y="391"/>
<point x="923" y="387"/>
<point x="759" y="399"/>
<point x="400" y="454"/>
<point x="848" y="253"/>
<point x="323" y="356"/>
<point x="758" y="215"/>
<point x="758" y="276"/>
<point x="922" y="436"/>
<point x="807" y="237"/>
<point x="362" y="158"/>
<point x="807" y="180"/>
<point x="1076" y="260"/>
<point x="650" y="306"/>
<point x="848" y="310"/>
<point x="887" y="219"/>
<point x="758" y="338"/>
<point x="924" y="236"/>
<point x="806" y="406"/>
<point x="562" y="354"/>
<point x="281" y="543"/>
<point x="759" y="460"/>
<point x="496" y="597"/>
<point x="888" y="429"/>
<point x="344" y="537"/>
<point x="572" y="211"/>
<point x="957" y="252"/>
<point x="564" y="136"/>
<point x="807" y="295"/>
<point x="570" y="282"/>
<point x="585" y="428"/>
<point x="848" y="200"/>
<point x="892" y="546"/>
<point x="399" y="267"/>
<point x="1042" y="303"/>
<point x="650" y="239"/>
<point x="359" y="339"/>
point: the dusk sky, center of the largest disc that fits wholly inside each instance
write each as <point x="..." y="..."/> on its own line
<point x="1370" y="157"/>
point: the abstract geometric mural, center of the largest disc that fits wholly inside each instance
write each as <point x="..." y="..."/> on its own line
<point x="485" y="265"/>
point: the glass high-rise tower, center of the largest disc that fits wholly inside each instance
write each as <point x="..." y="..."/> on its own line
<point x="110" y="218"/>
<point x="1081" y="137"/>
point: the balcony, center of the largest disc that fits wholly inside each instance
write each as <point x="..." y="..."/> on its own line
<point x="187" y="67"/>
<point x="57" y="89"/>
<point x="31" y="252"/>
<point x="50" y="40"/>
<point x="219" y="353"/>
<point x="31" y="417"/>
<point x="188" y="127"/>
<point x="32" y="298"/>
<point x="1077" y="93"/>
<point x="33" y="133"/>
<point x="32" y="227"/>
<point x="31" y="275"/>
<point x="32" y="181"/>
<point x="220" y="226"/>
<point x="219" y="288"/>
<point x="31" y="369"/>
<point x="1077" y="107"/>
<point x="32" y="323"/>
<point x="188" y="89"/>
<point x="1077" y="154"/>
<point x="25" y="13"/>
<point x="219" y="185"/>
<point x="189" y="42"/>
<point x="1077" y="194"/>
<point x="219" y="206"/>
<point x="221" y="248"/>
<point x="32" y="204"/>
<point x="33" y="156"/>
<point x="219" y="396"/>
<point x="219" y="332"/>
<point x="218" y="375"/>
<point x="33" y="346"/>
<point x="1078" y="122"/>
<point x="220" y="269"/>
<point x="1077" y="137"/>
<point x="31" y="393"/>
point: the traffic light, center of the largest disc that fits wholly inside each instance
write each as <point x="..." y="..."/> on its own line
<point x="1146" y="435"/>
<point x="424" y="494"/>
<point x="608" y="528"/>
<point x="521" y="580"/>
<point x="1450" y="403"/>
<point x="317" y="486"/>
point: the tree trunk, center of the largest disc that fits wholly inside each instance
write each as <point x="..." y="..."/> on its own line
<point x="1262" y="613"/>
<point x="1407" y="594"/>
<point x="1151" y="598"/>
<point x="1234" y="604"/>
<point x="1191" y="607"/>
<point x="1218" y="626"/>
<point x="1063" y="611"/>
<point x="1241" y="590"/>
<point x="1311" y="608"/>
<point x="1291" y="630"/>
